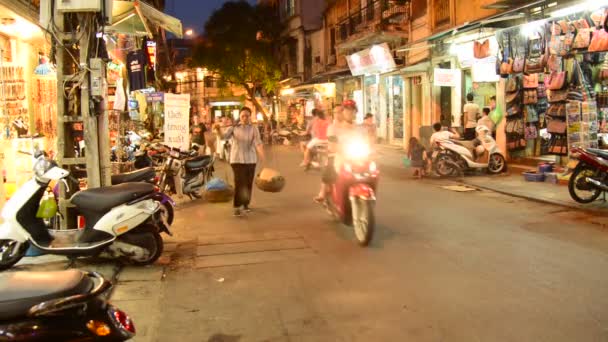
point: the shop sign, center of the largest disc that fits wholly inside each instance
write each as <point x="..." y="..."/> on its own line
<point x="155" y="97"/>
<point x="177" y="120"/>
<point x="446" y="77"/>
<point x="375" y="60"/>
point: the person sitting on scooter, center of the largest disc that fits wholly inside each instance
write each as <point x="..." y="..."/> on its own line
<point x="440" y="134"/>
<point x="319" y="135"/>
<point x="338" y="132"/>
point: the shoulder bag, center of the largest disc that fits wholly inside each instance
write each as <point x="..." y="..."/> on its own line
<point x="530" y="96"/>
<point x="557" y="95"/>
<point x="481" y="49"/>
<point x="512" y="84"/>
<point x="530" y="81"/>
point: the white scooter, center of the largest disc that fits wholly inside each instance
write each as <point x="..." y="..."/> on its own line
<point x="122" y="221"/>
<point x="462" y="153"/>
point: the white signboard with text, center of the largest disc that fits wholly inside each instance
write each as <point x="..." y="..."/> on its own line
<point x="177" y="120"/>
<point x="446" y="77"/>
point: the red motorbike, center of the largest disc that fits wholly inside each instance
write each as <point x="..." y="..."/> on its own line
<point x="353" y="195"/>
<point x="590" y="176"/>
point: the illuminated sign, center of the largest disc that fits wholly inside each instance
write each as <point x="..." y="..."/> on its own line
<point x="375" y="60"/>
<point x="151" y="51"/>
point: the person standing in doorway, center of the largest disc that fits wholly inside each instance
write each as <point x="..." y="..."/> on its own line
<point x="486" y="121"/>
<point x="470" y="113"/>
<point x="246" y="151"/>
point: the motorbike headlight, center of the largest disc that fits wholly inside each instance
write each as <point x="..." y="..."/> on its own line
<point x="357" y="149"/>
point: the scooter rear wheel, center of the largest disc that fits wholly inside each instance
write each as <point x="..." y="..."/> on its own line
<point x="151" y="241"/>
<point x="579" y="189"/>
<point x="6" y="249"/>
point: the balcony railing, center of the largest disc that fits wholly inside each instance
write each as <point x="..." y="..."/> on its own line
<point x="377" y="15"/>
<point x="442" y="12"/>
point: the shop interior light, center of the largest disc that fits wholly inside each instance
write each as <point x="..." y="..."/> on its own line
<point x="532" y="28"/>
<point x="588" y="5"/>
<point x="287" y="91"/>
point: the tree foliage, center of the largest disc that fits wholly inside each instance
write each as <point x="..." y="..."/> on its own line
<point x="238" y="44"/>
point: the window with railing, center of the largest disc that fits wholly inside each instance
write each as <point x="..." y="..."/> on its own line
<point x="371" y="15"/>
<point x="441" y="10"/>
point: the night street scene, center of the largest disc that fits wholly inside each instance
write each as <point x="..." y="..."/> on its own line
<point x="303" y="170"/>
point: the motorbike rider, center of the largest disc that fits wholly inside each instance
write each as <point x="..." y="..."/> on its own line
<point x="318" y="131"/>
<point x="339" y="131"/>
<point x="440" y="134"/>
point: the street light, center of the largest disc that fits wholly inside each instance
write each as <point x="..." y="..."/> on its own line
<point x="189" y="32"/>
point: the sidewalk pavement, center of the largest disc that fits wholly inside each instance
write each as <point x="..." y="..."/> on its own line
<point x="512" y="184"/>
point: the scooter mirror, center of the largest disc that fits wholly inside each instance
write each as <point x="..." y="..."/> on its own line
<point x="67" y="187"/>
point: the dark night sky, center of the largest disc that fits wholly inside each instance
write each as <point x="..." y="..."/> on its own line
<point x="194" y="13"/>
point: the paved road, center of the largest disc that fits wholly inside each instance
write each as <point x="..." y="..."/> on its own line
<point x="444" y="266"/>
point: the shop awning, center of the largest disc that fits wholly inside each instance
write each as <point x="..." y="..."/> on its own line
<point x="135" y="17"/>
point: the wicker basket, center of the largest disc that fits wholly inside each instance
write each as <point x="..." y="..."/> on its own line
<point x="276" y="184"/>
<point x="218" y="196"/>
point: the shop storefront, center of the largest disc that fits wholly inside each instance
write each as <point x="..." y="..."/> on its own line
<point x="370" y="64"/>
<point x="298" y="102"/>
<point x="28" y="97"/>
<point x="553" y="86"/>
<point x="393" y="107"/>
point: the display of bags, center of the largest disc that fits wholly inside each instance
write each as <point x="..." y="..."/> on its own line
<point x="506" y="68"/>
<point x="555" y="80"/>
<point x="536" y="54"/>
<point x="554" y="63"/>
<point x="531" y="132"/>
<point x="530" y="96"/>
<point x="518" y="65"/>
<point x="531" y="81"/>
<point x="513" y="110"/>
<point x="481" y="49"/>
<point x="542" y="90"/>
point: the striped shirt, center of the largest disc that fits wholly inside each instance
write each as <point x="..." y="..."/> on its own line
<point x="245" y="138"/>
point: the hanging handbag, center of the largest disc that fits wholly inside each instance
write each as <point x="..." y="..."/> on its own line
<point x="513" y="110"/>
<point x="530" y="81"/>
<point x="557" y="110"/>
<point x="530" y="96"/>
<point x="555" y="80"/>
<point x="512" y="97"/>
<point x="599" y="41"/>
<point x="581" y="24"/>
<point x="556" y="126"/>
<point x="603" y="75"/>
<point x="557" y="95"/>
<point x="531" y="114"/>
<point x="481" y="49"/>
<point x="531" y="132"/>
<point x="506" y="68"/>
<point x="519" y="64"/>
<point x="582" y="39"/>
<point x="512" y="84"/>
<point x="554" y="63"/>
<point x="536" y="54"/>
<point x="561" y="45"/>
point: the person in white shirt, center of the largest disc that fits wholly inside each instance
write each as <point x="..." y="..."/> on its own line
<point x="486" y="121"/>
<point x="470" y="112"/>
<point x="440" y="135"/>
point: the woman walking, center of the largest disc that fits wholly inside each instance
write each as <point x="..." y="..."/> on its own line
<point x="245" y="152"/>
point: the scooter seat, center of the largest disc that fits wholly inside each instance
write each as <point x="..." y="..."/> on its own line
<point x="598" y="152"/>
<point x="19" y="291"/>
<point x="106" y="198"/>
<point x="198" y="163"/>
<point x="143" y="175"/>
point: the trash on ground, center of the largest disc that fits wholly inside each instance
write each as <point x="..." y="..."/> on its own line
<point x="458" y="188"/>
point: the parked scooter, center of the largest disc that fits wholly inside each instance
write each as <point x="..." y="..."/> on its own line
<point x="122" y="221"/>
<point x="469" y="156"/>
<point x="185" y="173"/>
<point x="59" y="306"/>
<point x="353" y="196"/>
<point x="590" y="176"/>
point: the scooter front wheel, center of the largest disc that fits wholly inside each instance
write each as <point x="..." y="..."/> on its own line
<point x="11" y="252"/>
<point x="364" y="222"/>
